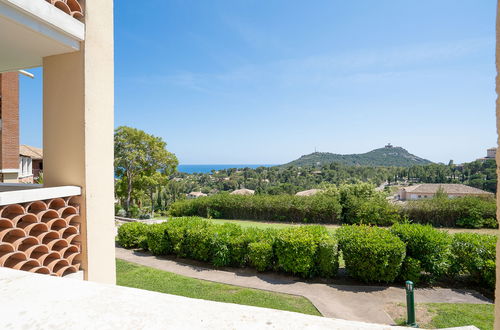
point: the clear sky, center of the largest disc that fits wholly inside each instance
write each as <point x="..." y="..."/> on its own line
<point x="252" y="81"/>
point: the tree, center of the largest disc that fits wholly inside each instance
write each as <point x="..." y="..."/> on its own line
<point x="141" y="161"/>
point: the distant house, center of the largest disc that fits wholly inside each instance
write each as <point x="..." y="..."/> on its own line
<point x="491" y="153"/>
<point x="310" y="192"/>
<point x="195" y="194"/>
<point x="243" y="191"/>
<point x="30" y="163"/>
<point x="428" y="190"/>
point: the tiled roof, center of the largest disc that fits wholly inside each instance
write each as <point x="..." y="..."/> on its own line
<point x="310" y="192"/>
<point x="70" y="7"/>
<point x="243" y="192"/>
<point x="432" y="188"/>
<point x="32" y="152"/>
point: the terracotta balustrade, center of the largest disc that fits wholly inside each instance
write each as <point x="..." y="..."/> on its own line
<point x="41" y="236"/>
<point x="70" y="7"/>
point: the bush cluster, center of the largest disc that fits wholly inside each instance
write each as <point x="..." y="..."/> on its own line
<point x="473" y="256"/>
<point x="348" y="204"/>
<point x="371" y="254"/>
<point x="427" y="250"/>
<point x="467" y="212"/>
<point x="314" y="209"/>
<point x="304" y="251"/>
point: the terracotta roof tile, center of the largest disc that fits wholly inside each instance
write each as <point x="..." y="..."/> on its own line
<point x="432" y="188"/>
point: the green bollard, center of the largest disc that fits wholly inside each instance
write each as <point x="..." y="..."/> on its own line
<point x="410" y="305"/>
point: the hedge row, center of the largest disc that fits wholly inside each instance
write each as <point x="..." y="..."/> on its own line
<point x="305" y="251"/>
<point x="314" y="209"/>
<point x="371" y="254"/>
<point x="467" y="212"/>
<point x="351" y="204"/>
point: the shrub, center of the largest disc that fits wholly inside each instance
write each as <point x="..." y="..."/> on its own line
<point x="306" y="251"/>
<point x="260" y="255"/>
<point x="411" y="270"/>
<point x="361" y="204"/>
<point x="132" y="235"/>
<point x="327" y="257"/>
<point x="469" y="212"/>
<point x="371" y="254"/>
<point x="473" y="255"/>
<point x="321" y="208"/>
<point x="230" y="246"/>
<point x="427" y="245"/>
<point x="157" y="240"/>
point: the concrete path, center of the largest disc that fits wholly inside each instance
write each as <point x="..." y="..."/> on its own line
<point x="349" y="302"/>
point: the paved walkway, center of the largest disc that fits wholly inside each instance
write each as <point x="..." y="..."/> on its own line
<point x="350" y="302"/>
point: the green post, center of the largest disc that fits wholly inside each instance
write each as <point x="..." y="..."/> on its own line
<point x="410" y="305"/>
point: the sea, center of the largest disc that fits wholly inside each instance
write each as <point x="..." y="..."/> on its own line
<point x="207" y="168"/>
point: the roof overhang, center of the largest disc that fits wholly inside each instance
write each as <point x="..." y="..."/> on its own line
<point x="33" y="29"/>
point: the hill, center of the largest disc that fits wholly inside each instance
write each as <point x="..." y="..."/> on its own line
<point x="388" y="156"/>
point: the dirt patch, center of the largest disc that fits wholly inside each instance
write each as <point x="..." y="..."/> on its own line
<point x="397" y="312"/>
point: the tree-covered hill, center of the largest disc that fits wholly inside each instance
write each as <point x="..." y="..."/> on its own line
<point x="388" y="156"/>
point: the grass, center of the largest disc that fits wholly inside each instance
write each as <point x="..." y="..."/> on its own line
<point x="454" y="315"/>
<point x="136" y="276"/>
<point x="446" y="315"/>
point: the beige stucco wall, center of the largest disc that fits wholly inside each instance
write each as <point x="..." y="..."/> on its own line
<point x="78" y="134"/>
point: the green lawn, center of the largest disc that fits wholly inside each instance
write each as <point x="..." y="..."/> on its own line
<point x="445" y="315"/>
<point x="264" y="224"/>
<point x="455" y="315"/>
<point x="136" y="276"/>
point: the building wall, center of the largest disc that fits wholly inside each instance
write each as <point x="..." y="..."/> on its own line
<point x="78" y="106"/>
<point x="9" y="133"/>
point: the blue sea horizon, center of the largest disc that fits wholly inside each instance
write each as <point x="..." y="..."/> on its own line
<point x="207" y="168"/>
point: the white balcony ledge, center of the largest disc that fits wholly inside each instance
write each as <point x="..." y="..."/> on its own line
<point x="44" y="302"/>
<point x="33" y="29"/>
<point x="16" y="193"/>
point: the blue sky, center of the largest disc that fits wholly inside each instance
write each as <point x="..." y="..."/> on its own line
<point x="267" y="81"/>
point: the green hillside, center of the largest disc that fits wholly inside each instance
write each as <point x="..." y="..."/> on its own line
<point x="388" y="156"/>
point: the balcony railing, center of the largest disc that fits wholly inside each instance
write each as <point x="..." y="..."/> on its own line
<point x="40" y="229"/>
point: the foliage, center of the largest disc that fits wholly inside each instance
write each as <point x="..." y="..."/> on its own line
<point x="371" y="254"/>
<point x="260" y="255"/>
<point x="156" y="240"/>
<point x="427" y="245"/>
<point x="132" y="234"/>
<point x="474" y="255"/>
<point x="469" y="212"/>
<point x="314" y="209"/>
<point x="141" y="162"/>
<point x="361" y="204"/>
<point x="411" y="270"/>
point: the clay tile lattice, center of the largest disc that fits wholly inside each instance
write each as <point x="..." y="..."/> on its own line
<point x="70" y="7"/>
<point x="41" y="237"/>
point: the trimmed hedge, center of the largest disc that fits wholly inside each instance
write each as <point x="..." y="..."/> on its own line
<point x="467" y="212"/>
<point x="349" y="204"/>
<point x="426" y="248"/>
<point x="132" y="235"/>
<point x="305" y="251"/>
<point x="474" y="255"/>
<point x="313" y="209"/>
<point x="371" y="254"/>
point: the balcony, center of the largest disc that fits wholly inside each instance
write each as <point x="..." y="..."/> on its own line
<point x="33" y="29"/>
